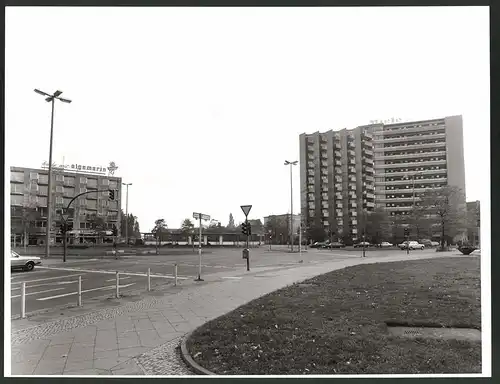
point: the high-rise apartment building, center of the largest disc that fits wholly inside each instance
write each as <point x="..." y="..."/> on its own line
<point x="28" y="201"/>
<point x="347" y="172"/>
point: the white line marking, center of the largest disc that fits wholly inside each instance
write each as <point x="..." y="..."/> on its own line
<point x="87" y="290"/>
<point x="48" y="278"/>
<point x="113" y="272"/>
<point x="232" y="277"/>
<point x="37" y="293"/>
<point x="42" y="285"/>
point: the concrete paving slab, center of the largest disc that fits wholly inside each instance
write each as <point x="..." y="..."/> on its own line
<point x="110" y="362"/>
<point x="131" y="352"/>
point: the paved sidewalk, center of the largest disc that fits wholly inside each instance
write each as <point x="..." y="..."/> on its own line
<point x="141" y="338"/>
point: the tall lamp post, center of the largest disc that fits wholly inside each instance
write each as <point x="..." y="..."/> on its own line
<point x="51" y="99"/>
<point x="291" y="164"/>
<point x="126" y="215"/>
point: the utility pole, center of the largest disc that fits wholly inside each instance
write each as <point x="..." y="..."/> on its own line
<point x="291" y="163"/>
<point x="126" y="215"/>
<point x="199" y="216"/>
<point x="51" y="99"/>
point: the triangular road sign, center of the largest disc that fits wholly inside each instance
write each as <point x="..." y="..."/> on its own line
<point x="246" y="209"/>
<point x="65" y="217"/>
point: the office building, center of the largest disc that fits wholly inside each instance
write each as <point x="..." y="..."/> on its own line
<point x="388" y="166"/>
<point x="28" y="201"/>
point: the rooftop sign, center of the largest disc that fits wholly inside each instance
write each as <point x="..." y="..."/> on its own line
<point x="392" y="120"/>
<point x="88" y="169"/>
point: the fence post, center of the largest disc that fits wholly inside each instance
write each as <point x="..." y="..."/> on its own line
<point x="149" y="279"/>
<point x="175" y="274"/>
<point x="79" y="291"/>
<point x="117" y="284"/>
<point x="23" y="300"/>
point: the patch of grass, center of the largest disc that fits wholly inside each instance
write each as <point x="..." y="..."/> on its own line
<point x="338" y="324"/>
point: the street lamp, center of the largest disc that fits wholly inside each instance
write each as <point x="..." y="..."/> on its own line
<point x="126" y="215"/>
<point x="50" y="98"/>
<point x="291" y="164"/>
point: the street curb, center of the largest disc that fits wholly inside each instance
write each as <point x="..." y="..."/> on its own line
<point x="188" y="359"/>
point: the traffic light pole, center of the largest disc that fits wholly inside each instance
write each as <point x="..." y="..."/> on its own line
<point x="248" y="237"/>
<point x="199" y="254"/>
<point x="64" y="222"/>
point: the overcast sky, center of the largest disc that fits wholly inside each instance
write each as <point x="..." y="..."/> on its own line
<point x="200" y="107"/>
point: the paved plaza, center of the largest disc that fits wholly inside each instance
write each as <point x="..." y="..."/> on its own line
<point x="141" y="336"/>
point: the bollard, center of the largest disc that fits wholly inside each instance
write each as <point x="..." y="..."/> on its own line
<point x="149" y="279"/>
<point x="79" y="291"/>
<point x="23" y="300"/>
<point x="175" y="275"/>
<point x="117" y="284"/>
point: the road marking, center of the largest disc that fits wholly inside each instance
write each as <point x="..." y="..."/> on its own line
<point x="37" y="293"/>
<point x="113" y="272"/>
<point x="41" y="285"/>
<point x="84" y="291"/>
<point x="232" y="277"/>
<point x="48" y="278"/>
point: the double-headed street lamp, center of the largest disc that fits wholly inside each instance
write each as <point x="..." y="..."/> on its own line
<point x="291" y="164"/>
<point x="126" y="214"/>
<point x="50" y="98"/>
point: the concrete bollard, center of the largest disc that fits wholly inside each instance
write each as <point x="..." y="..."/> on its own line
<point x="79" y="291"/>
<point x="149" y="279"/>
<point x="175" y="275"/>
<point x="117" y="284"/>
<point x="23" y="300"/>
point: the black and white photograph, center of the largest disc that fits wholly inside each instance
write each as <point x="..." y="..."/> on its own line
<point x="247" y="192"/>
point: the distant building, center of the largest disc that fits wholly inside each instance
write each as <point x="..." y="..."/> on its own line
<point x="474" y="222"/>
<point x="347" y="172"/>
<point x="28" y="196"/>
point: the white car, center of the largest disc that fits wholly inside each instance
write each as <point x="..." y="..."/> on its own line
<point x="385" y="244"/>
<point x="23" y="262"/>
<point x="411" y="245"/>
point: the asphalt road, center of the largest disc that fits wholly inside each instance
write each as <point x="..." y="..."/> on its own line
<point x="55" y="285"/>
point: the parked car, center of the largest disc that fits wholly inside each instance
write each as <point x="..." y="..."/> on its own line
<point x="26" y="263"/>
<point x="434" y="243"/>
<point x="411" y="245"/>
<point x="385" y="244"/>
<point x="334" y="244"/>
<point x="362" y="244"/>
<point x="319" y="244"/>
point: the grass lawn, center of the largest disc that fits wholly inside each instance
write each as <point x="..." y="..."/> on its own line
<point x="338" y="323"/>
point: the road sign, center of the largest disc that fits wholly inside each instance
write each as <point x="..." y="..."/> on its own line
<point x="196" y="215"/>
<point x="65" y="217"/>
<point x="205" y="217"/>
<point x="246" y="209"/>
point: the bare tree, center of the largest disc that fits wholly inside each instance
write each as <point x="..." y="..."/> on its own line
<point x="158" y="230"/>
<point x="445" y="208"/>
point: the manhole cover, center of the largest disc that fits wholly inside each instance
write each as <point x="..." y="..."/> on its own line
<point x="436" y="333"/>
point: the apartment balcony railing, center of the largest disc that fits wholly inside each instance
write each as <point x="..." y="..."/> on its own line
<point x="338" y="179"/>
<point x="367" y="160"/>
<point x="338" y="187"/>
<point x="441" y="143"/>
<point x="338" y="171"/>
<point x="409" y="174"/>
<point x="337" y="154"/>
<point x="369" y="178"/>
<point x="369" y="204"/>
<point x="402" y="190"/>
<point x="337" y="146"/>
<point x="354" y="222"/>
<point x="338" y="162"/>
<point x="352" y="170"/>
<point x="414" y="155"/>
<point x="324" y="164"/>
<point x="323" y="147"/>
<point x="354" y="231"/>
<point x="428" y="163"/>
<point x="370" y="195"/>
<point x="352" y="162"/>
<point x="389" y="133"/>
<point x="351" y="144"/>
<point x="398" y="199"/>
<point x="367" y="151"/>
<point x="351" y="153"/>
<point x="338" y="196"/>
<point x="369" y="187"/>
<point x="406" y="139"/>
<point x="397" y="209"/>
<point x="339" y="205"/>
<point x="310" y="172"/>
<point x="352" y="178"/>
<point x="310" y="157"/>
<point x="324" y="155"/>
<point x="353" y="213"/>
<point x="310" y="164"/>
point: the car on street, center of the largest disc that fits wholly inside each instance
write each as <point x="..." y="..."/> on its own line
<point x="26" y="263"/>
<point x="362" y="244"/>
<point x="334" y="244"/>
<point x="319" y="244"/>
<point x="412" y="245"/>
<point x="385" y="244"/>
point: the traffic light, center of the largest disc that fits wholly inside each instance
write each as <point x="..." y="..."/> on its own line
<point x="69" y="226"/>
<point x="111" y="194"/>
<point x="244" y="228"/>
<point x="62" y="228"/>
<point x="249" y="229"/>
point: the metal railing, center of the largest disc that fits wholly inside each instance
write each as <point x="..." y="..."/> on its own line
<point x="79" y="285"/>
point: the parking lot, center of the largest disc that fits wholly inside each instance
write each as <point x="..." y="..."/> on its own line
<point x="55" y="284"/>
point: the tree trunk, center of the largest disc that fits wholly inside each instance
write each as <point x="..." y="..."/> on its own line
<point x="25" y="238"/>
